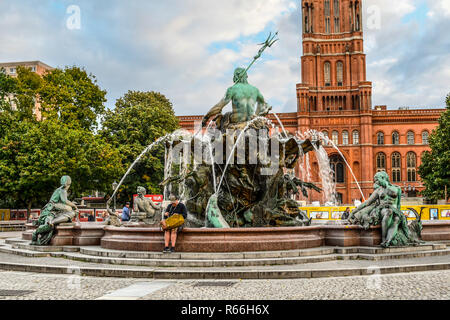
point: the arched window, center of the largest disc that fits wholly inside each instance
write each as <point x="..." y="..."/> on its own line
<point x="340" y="73"/>
<point x="335" y="137"/>
<point x="345" y="137"/>
<point x="338" y="166"/>
<point x="411" y="161"/>
<point x="325" y="133"/>
<point x="410" y="137"/>
<point x="425" y="136"/>
<point x="395" y="138"/>
<point x="380" y="138"/>
<point x="381" y="162"/>
<point x="396" y="167"/>
<point x="327" y="74"/>
<point x="327" y="16"/>
<point x="306" y="23"/>
<point x="356" y="137"/>
<point x="337" y="28"/>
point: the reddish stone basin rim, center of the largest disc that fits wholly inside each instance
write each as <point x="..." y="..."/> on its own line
<point x="230" y="240"/>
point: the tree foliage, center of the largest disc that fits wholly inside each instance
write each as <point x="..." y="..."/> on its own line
<point x="20" y="93"/>
<point x="138" y="120"/>
<point x="35" y="154"/>
<point x="73" y="97"/>
<point x="435" y="167"/>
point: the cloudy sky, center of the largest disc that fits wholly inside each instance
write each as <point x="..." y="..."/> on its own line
<point x="187" y="49"/>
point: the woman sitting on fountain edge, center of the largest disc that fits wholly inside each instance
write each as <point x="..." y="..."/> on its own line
<point x="175" y="207"/>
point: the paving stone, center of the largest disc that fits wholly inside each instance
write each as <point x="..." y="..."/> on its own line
<point x="412" y="286"/>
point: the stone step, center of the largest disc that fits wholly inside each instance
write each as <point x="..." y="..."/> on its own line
<point x="294" y="273"/>
<point x="16" y="240"/>
<point x="27" y="246"/>
<point x="162" y="262"/>
<point x="28" y="253"/>
<point x="100" y="252"/>
<point x="149" y="273"/>
<point x="409" y="255"/>
<point x="218" y="260"/>
<point x="380" y="250"/>
<point x="202" y="262"/>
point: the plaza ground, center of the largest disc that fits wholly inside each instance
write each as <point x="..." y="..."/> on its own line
<point x="17" y="285"/>
<point x="431" y="285"/>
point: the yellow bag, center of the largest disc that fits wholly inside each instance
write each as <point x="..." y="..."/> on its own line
<point x="172" y="222"/>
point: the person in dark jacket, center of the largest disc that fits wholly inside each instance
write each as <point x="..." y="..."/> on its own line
<point x="171" y="235"/>
<point x="346" y="214"/>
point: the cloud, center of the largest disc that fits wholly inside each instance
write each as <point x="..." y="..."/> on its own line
<point x="407" y="57"/>
<point x="188" y="49"/>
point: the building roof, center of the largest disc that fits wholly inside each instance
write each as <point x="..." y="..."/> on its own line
<point x="25" y="63"/>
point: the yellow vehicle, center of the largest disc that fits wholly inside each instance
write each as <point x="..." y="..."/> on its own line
<point x="429" y="212"/>
<point x="5" y="214"/>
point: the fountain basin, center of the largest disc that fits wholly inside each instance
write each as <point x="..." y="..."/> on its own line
<point x="215" y="240"/>
<point x="73" y="234"/>
<point x="133" y="238"/>
<point x="436" y="230"/>
<point x="242" y="239"/>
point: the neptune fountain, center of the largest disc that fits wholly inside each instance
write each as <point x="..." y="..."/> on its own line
<point x="238" y="171"/>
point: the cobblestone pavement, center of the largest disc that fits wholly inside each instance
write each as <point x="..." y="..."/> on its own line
<point x="432" y="285"/>
<point x="413" y="286"/>
<point x="58" y="287"/>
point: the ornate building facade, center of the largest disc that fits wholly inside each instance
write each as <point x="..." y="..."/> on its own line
<point x="335" y="98"/>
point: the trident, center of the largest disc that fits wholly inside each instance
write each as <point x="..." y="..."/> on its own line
<point x="266" y="44"/>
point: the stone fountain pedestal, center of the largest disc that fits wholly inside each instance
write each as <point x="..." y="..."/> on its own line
<point x="138" y="238"/>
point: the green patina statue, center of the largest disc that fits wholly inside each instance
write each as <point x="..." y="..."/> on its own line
<point x="58" y="210"/>
<point x="214" y="215"/>
<point x="383" y="207"/>
<point x="145" y="210"/>
<point x="244" y="97"/>
<point x="255" y="191"/>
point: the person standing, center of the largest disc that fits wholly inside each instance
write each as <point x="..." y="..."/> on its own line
<point x="126" y="212"/>
<point x="171" y="235"/>
<point x="91" y="218"/>
<point x="346" y="214"/>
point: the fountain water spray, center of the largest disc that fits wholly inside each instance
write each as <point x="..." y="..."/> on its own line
<point x="147" y="149"/>
<point x="315" y="133"/>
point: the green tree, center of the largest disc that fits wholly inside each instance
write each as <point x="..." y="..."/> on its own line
<point x="27" y="87"/>
<point x="138" y="120"/>
<point x="73" y="97"/>
<point x="34" y="156"/>
<point x="435" y="167"/>
<point x="7" y="84"/>
<point x="20" y="93"/>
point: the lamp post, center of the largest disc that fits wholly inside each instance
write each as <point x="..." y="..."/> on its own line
<point x="114" y="186"/>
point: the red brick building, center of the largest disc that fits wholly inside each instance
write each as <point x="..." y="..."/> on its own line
<point x="335" y="98"/>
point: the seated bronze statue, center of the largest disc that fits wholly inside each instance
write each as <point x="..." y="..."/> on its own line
<point x="145" y="210"/>
<point x="383" y="207"/>
<point x="58" y="210"/>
